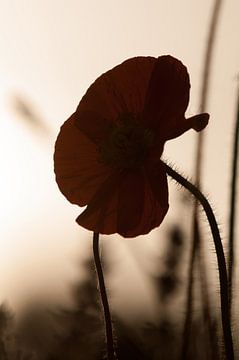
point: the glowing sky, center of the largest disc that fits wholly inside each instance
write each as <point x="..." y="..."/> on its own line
<point x="50" y="52"/>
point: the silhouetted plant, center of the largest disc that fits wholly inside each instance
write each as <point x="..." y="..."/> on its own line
<point x="233" y="202"/>
<point x="6" y="318"/>
<point x="196" y="250"/>
<point x="108" y="153"/>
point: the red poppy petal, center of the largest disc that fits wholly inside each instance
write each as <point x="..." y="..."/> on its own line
<point x="167" y="96"/>
<point x="196" y="122"/>
<point x="127" y="204"/>
<point x="132" y="205"/>
<point x="92" y="125"/>
<point x="143" y="205"/>
<point x="79" y="174"/>
<point x="101" y="213"/>
<point x="117" y="207"/>
<point x="119" y="90"/>
<point x="199" y="122"/>
<point x="157" y="179"/>
<point x="131" y="202"/>
<point x="153" y="213"/>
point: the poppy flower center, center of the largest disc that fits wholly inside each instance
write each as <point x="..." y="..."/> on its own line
<point x="127" y="145"/>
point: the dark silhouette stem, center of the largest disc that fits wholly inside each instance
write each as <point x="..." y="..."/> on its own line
<point x="233" y="205"/>
<point x="108" y="324"/>
<point x="225" y="315"/>
<point x="189" y="297"/>
<point x="196" y="234"/>
<point x="205" y="84"/>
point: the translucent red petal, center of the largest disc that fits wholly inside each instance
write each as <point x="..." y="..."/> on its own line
<point x="119" y="90"/>
<point x="167" y="97"/>
<point x="79" y="174"/>
<point x="126" y="204"/>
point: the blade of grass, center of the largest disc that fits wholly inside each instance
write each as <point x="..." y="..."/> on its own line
<point x="233" y="205"/>
<point x="196" y="235"/>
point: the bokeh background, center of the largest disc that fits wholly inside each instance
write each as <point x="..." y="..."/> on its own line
<point x="50" y="52"/>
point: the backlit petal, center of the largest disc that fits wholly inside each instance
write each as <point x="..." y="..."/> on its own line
<point x="127" y="204"/>
<point x="131" y="202"/>
<point x="119" y="90"/>
<point x="157" y="179"/>
<point x="196" y="122"/>
<point x="92" y="125"/>
<point x="79" y="174"/>
<point x="167" y="96"/>
<point x="101" y="212"/>
<point x="151" y="207"/>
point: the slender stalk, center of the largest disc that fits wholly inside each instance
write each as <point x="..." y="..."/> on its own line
<point x="108" y="324"/>
<point x="196" y="250"/>
<point x="225" y="316"/>
<point x="233" y="205"/>
<point x="3" y="352"/>
<point x="206" y="307"/>
<point x="205" y="84"/>
<point x="189" y="303"/>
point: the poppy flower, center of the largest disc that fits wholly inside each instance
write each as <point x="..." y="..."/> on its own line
<point x="107" y="154"/>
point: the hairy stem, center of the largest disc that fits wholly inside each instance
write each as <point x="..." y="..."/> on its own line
<point x="225" y="315"/>
<point x="108" y="324"/>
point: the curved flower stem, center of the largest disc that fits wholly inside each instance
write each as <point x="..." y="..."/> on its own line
<point x="233" y="206"/>
<point x="108" y="325"/>
<point x="225" y="314"/>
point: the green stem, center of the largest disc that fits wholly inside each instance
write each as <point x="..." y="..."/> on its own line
<point x="108" y="324"/>
<point x="225" y="315"/>
<point x="233" y="205"/>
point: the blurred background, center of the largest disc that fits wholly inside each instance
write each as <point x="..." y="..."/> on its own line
<point x="50" y="52"/>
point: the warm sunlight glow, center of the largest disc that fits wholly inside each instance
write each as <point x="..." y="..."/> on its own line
<point x="17" y="164"/>
<point x="50" y="53"/>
